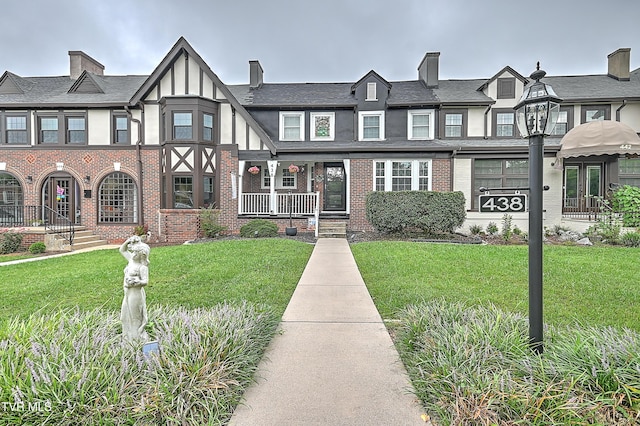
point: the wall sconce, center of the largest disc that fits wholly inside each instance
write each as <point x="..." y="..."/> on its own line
<point x="319" y="178"/>
<point x="29" y="179"/>
<point x="87" y="179"/>
<point x="59" y="166"/>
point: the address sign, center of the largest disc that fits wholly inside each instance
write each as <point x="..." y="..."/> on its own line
<point x="503" y="203"/>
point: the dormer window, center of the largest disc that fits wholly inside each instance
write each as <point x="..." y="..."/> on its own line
<point x="372" y="92"/>
<point x="371" y="126"/>
<point x="420" y="125"/>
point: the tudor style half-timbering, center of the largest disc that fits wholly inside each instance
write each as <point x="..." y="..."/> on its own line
<point x="112" y="152"/>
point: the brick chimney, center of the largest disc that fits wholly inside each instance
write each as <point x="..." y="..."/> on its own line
<point x="428" y="69"/>
<point x="255" y="74"/>
<point x="619" y="64"/>
<point x="80" y="61"/>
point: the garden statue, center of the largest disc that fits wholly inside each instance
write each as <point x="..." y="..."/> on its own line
<point x="136" y="276"/>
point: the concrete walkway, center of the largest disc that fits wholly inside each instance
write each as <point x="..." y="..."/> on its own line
<point x="333" y="363"/>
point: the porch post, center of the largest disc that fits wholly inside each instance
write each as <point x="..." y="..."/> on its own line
<point x="347" y="176"/>
<point x="273" y="167"/>
<point x="241" y="167"/>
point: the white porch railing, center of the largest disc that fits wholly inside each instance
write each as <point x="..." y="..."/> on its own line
<point x="301" y="204"/>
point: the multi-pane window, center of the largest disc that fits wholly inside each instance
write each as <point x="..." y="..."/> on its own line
<point x="453" y="125"/>
<point x="629" y="171"/>
<point x="117" y="199"/>
<point x="48" y="129"/>
<point x="495" y="174"/>
<point x="504" y="124"/>
<point x="420" y="124"/>
<point x="121" y="129"/>
<point x="371" y="126"/>
<point x="76" y="130"/>
<point x="183" y="192"/>
<point x="284" y="179"/>
<point x="322" y="126"/>
<point x="207" y="191"/>
<point x="402" y="175"/>
<point x="561" y="127"/>
<point x="207" y="127"/>
<point x="16" y="129"/>
<point x="292" y="126"/>
<point x="182" y="126"/>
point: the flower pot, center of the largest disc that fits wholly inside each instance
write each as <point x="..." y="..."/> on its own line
<point x="291" y="231"/>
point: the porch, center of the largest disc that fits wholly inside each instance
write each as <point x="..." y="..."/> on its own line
<point x="281" y="204"/>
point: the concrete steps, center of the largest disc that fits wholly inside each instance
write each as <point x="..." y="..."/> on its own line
<point x="82" y="239"/>
<point x="328" y="229"/>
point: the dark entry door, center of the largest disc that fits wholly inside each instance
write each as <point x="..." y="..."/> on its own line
<point x="59" y="197"/>
<point x="335" y="187"/>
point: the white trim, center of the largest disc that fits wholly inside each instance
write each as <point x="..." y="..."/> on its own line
<point x="372" y="92"/>
<point x="411" y="114"/>
<point x="415" y="173"/>
<point x="279" y="177"/>
<point x="361" y="116"/>
<point x="300" y="115"/>
<point x="312" y="125"/>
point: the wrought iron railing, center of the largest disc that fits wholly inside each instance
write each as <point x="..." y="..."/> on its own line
<point x="14" y="216"/>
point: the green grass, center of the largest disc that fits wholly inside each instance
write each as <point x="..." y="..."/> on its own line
<point x="593" y="285"/>
<point x="201" y="275"/>
<point x="15" y="256"/>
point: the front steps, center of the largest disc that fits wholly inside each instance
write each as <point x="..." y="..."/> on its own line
<point x="332" y="229"/>
<point x="82" y="239"/>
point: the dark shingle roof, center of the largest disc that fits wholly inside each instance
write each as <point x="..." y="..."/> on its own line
<point x="54" y="91"/>
<point x="595" y="87"/>
<point x="295" y="94"/>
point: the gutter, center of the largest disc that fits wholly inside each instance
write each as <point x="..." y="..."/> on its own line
<point x="139" y="159"/>
<point x="624" y="104"/>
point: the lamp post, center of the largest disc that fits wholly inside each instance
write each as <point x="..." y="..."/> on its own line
<point x="536" y="116"/>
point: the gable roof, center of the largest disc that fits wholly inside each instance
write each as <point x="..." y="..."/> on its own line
<point x="12" y="84"/>
<point x="181" y="47"/>
<point x="86" y="83"/>
<point x="507" y="69"/>
<point x="366" y="76"/>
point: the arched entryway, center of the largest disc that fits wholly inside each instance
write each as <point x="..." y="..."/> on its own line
<point x="11" y="200"/>
<point x="61" y="198"/>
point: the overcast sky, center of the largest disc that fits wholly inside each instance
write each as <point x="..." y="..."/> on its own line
<point x="319" y="41"/>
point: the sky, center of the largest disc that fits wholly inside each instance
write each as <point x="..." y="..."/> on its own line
<point x="322" y="41"/>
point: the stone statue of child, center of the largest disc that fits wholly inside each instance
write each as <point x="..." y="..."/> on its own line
<point x="136" y="276"/>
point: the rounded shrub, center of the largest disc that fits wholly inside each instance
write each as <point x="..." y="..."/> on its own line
<point x="259" y="228"/>
<point x="37" y="247"/>
<point x="630" y="239"/>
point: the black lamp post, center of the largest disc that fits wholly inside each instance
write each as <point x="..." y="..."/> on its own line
<point x="536" y="116"/>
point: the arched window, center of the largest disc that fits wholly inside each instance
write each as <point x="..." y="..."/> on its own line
<point x="11" y="200"/>
<point x="118" y="199"/>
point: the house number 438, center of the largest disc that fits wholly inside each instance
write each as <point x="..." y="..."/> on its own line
<point x="503" y="203"/>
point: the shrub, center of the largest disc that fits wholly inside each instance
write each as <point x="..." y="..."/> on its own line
<point x="630" y="239"/>
<point x="433" y="212"/>
<point x="506" y="227"/>
<point x="37" y="247"/>
<point x="492" y="228"/>
<point x="210" y="222"/>
<point x="258" y="228"/>
<point x="626" y="200"/>
<point x="10" y="240"/>
<point x="475" y="229"/>
<point x="140" y="230"/>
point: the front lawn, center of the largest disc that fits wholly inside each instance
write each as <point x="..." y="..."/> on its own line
<point x="597" y="286"/>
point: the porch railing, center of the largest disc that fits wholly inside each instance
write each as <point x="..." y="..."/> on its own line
<point x="300" y="204"/>
<point x="15" y="216"/>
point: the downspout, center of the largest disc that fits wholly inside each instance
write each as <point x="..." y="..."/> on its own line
<point x="486" y="122"/>
<point x="138" y="158"/>
<point x="624" y="104"/>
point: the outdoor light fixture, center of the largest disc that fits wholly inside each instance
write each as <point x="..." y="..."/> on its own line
<point x="29" y="179"/>
<point x="536" y="116"/>
<point x="87" y="179"/>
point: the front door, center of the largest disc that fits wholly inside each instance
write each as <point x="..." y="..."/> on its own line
<point x="583" y="187"/>
<point x="335" y="187"/>
<point x="59" y="195"/>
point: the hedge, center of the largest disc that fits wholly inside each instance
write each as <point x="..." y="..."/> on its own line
<point x="432" y="212"/>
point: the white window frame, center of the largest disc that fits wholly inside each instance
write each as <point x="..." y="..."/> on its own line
<point x="415" y="173"/>
<point x="411" y="114"/>
<point x="372" y="91"/>
<point x="361" y="116"/>
<point x="312" y="124"/>
<point x="266" y="177"/>
<point x="299" y="114"/>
